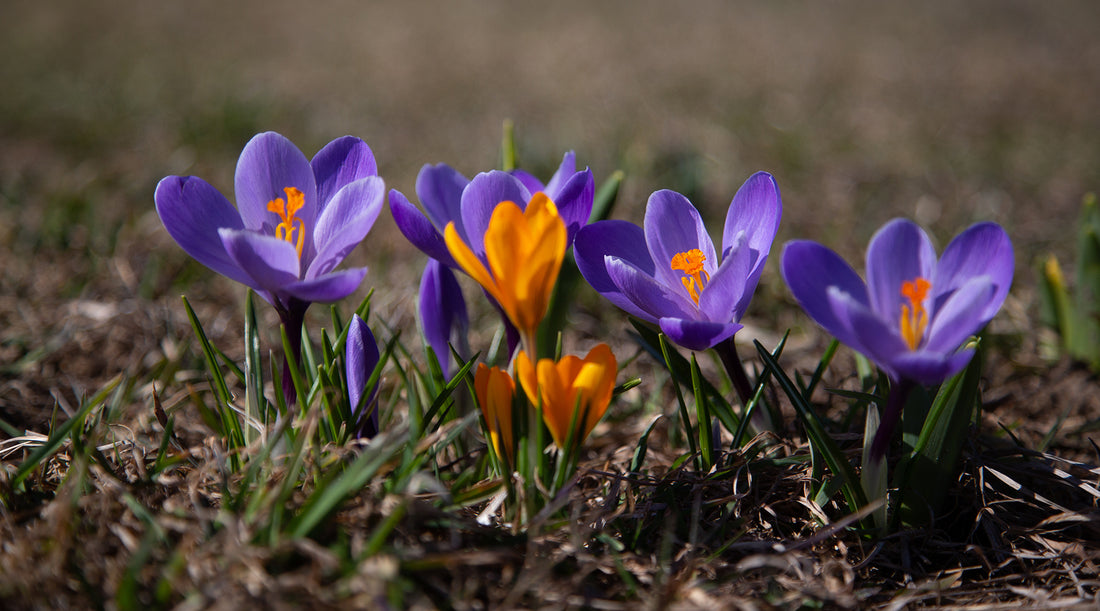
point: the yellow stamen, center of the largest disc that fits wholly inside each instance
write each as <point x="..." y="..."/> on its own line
<point x="286" y="210"/>
<point x="914" y="318"/>
<point x="695" y="277"/>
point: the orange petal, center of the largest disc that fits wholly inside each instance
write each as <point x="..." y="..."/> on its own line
<point x="468" y="261"/>
<point x="557" y="403"/>
<point x="595" y="384"/>
<point x="494" y="389"/>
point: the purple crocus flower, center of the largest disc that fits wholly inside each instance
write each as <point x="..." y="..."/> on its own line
<point x="295" y="222"/>
<point x="443" y="318"/>
<point x="448" y="196"/>
<point x="361" y="357"/>
<point x="668" y="273"/>
<point x="914" y="312"/>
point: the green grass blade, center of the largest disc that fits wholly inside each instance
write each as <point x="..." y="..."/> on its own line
<point x="822" y="365"/>
<point x="817" y="434"/>
<point x="924" y="476"/>
<point x="685" y="419"/>
<point x="58" y="435"/>
<point x="329" y="495"/>
<point x="445" y="394"/>
<point x="702" y="416"/>
<point x="606" y="196"/>
<point x="231" y="425"/>
<point x="255" y="405"/>
<point x="640" y="450"/>
<point x="508" y="155"/>
<point x="680" y="370"/>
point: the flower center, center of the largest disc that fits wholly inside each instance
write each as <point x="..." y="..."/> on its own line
<point x="286" y="211"/>
<point x="914" y="318"/>
<point x="695" y="277"/>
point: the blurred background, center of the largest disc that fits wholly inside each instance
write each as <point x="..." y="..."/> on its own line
<point x="944" y="112"/>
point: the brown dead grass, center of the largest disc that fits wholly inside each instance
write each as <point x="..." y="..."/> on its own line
<point x="939" y="112"/>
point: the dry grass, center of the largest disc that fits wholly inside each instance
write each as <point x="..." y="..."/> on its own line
<point x="944" y="113"/>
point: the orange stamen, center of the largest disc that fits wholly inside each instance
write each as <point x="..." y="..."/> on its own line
<point x="286" y="210"/>
<point x="695" y="277"/>
<point x="914" y="318"/>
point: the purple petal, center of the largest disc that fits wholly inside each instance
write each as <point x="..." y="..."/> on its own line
<point x="439" y="188"/>
<point x="877" y="339"/>
<point x="645" y="297"/>
<point x="342" y="162"/>
<point x="534" y="185"/>
<point x="361" y="358"/>
<point x="810" y="271"/>
<point x="695" y="334"/>
<point x="345" y="222"/>
<point x="480" y="199"/>
<point x="193" y="211"/>
<point x="618" y="239"/>
<point x="930" y="368"/>
<point x="270" y="262"/>
<point x="574" y="201"/>
<point x="268" y="164"/>
<point x="567" y="171"/>
<point x="724" y="291"/>
<point x="442" y="312"/>
<point x="960" y="316"/>
<point x="983" y="249"/>
<point x="899" y="252"/>
<point x="328" y="288"/>
<point x="673" y="226"/>
<point x="418" y="230"/>
<point x="756" y="210"/>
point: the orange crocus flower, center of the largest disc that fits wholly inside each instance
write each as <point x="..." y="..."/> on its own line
<point x="570" y="386"/>
<point x="524" y="251"/>
<point x="494" y="389"/>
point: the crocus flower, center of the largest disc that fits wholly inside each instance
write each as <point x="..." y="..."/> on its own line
<point x="361" y="357"/>
<point x="523" y="255"/>
<point x="295" y="219"/>
<point x="449" y="197"/>
<point x="572" y="391"/>
<point x="668" y="273"/>
<point x="443" y="319"/>
<point x="494" y="389"/>
<point x="914" y="312"/>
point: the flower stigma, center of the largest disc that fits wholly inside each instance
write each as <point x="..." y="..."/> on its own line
<point x="695" y="277"/>
<point x="914" y="318"/>
<point x="286" y="210"/>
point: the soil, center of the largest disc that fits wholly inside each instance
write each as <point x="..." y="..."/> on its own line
<point x="942" y="113"/>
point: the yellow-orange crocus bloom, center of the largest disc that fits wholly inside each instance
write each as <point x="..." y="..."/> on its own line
<point x="494" y="389"/>
<point x="524" y="250"/>
<point x="583" y="386"/>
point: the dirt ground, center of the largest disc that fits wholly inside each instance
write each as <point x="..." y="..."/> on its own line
<point x="942" y="112"/>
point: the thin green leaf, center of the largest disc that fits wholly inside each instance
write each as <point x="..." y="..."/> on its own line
<point x="817" y="434"/>
<point x="508" y="147"/>
<point x="58" y="435"/>
<point x="680" y="370"/>
<point x="231" y="425"/>
<point x="924" y="475"/>
<point x="685" y="419"/>
<point x="606" y="196"/>
<point x="702" y="416"/>
<point x="330" y="494"/>
<point x="640" y="450"/>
